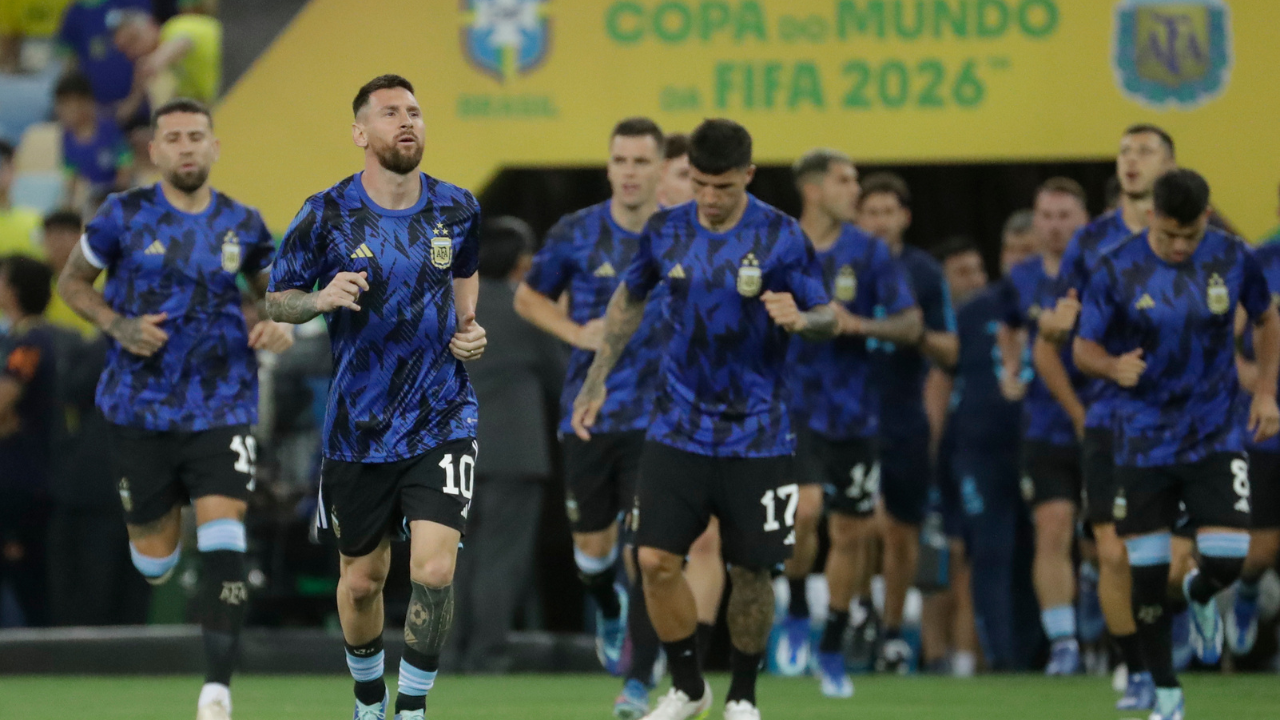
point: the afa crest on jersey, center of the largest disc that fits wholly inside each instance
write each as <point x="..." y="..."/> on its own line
<point x="442" y="248"/>
<point x="1172" y="52"/>
<point x="846" y="284"/>
<point x="1217" y="296"/>
<point x="749" y="278"/>
<point x="231" y="252"/>
<point x="506" y="38"/>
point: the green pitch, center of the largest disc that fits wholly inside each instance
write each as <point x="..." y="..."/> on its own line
<point x="560" y="697"/>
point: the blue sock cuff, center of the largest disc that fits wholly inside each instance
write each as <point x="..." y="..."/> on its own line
<point x="224" y="534"/>
<point x="1233" y="545"/>
<point x="415" y="681"/>
<point x="154" y="567"/>
<point x="1149" y="550"/>
<point x="1059" y="622"/>
<point x="592" y="565"/>
<point x="366" y="669"/>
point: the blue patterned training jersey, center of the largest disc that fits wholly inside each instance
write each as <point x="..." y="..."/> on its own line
<point x="981" y="416"/>
<point x="1268" y="256"/>
<point x="1033" y="289"/>
<point x="1182" y="316"/>
<point x="723" y="388"/>
<point x="1080" y="260"/>
<point x="162" y="260"/>
<point x="586" y="254"/>
<point x="397" y="391"/>
<point x="899" y="371"/>
<point x="831" y="389"/>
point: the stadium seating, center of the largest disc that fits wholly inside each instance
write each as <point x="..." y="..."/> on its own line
<point x="40" y="149"/>
<point x="40" y="191"/>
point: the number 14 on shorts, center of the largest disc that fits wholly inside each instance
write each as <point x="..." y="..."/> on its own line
<point x="772" y="499"/>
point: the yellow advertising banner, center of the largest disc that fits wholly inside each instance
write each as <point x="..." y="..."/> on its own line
<point x="521" y="83"/>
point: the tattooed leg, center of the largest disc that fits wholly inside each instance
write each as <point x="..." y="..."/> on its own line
<point x="750" y="616"/>
<point x="430" y="611"/>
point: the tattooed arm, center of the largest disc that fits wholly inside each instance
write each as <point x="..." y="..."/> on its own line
<point x="903" y="328"/>
<point x="621" y="320"/>
<point x="299" y="306"/>
<point x="139" y="335"/>
<point x="816" y="323"/>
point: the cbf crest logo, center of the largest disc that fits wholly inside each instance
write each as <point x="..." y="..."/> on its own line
<point x="1217" y="296"/>
<point x="506" y="38"/>
<point x="749" y="276"/>
<point x="442" y="248"/>
<point x="1172" y="53"/>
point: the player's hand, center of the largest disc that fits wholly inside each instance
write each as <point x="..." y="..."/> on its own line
<point x="271" y="336"/>
<point x="586" y="407"/>
<point x="590" y="335"/>
<point x="1264" y="417"/>
<point x="141" y="336"/>
<point x="846" y="322"/>
<point x="469" y="340"/>
<point x="1128" y="368"/>
<point x="1056" y="324"/>
<point x="782" y="308"/>
<point x="342" y="292"/>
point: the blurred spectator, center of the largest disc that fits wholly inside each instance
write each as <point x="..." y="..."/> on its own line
<point x="28" y="418"/>
<point x="62" y="231"/>
<point x="189" y="45"/>
<point x="27" y="29"/>
<point x="95" y="156"/>
<point x="518" y="383"/>
<point x="19" y="227"/>
<point x="1111" y="193"/>
<point x="85" y="35"/>
<point x="1018" y="241"/>
<point x="138" y="134"/>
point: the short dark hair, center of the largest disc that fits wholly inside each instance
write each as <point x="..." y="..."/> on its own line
<point x="31" y="280"/>
<point x="502" y="241"/>
<point x="181" y="105"/>
<point x="382" y="82"/>
<point x="69" y="219"/>
<point x="6" y="151"/>
<point x="953" y="246"/>
<point x="885" y="183"/>
<point x="1165" y="137"/>
<point x="817" y="162"/>
<point x="638" y="127"/>
<point x="1182" y="195"/>
<point x="1065" y="186"/>
<point x="1018" y="222"/>
<point x="718" y="146"/>
<point x="73" y="85"/>
<point x="676" y="146"/>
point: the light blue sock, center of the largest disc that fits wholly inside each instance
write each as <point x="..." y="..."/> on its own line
<point x="1059" y="622"/>
<point x="415" y="681"/>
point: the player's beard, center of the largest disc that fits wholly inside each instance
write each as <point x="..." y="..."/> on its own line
<point x="189" y="182"/>
<point x="398" y="160"/>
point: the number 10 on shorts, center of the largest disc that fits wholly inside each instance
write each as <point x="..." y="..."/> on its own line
<point x="463" y="481"/>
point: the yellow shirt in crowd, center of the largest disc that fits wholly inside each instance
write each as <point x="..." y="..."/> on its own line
<point x="31" y="18"/>
<point x="59" y="313"/>
<point x="199" y="72"/>
<point x="20" y="230"/>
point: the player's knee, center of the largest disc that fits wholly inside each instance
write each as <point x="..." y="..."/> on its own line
<point x="707" y="545"/>
<point x="1055" y="527"/>
<point x="595" y="545"/>
<point x="659" y="566"/>
<point x="844" y="533"/>
<point x="1112" y="557"/>
<point x="156" y="570"/>
<point x="434" y="572"/>
<point x="808" y="511"/>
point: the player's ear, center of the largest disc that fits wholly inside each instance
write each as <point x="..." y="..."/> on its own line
<point x="751" y="173"/>
<point x="217" y="149"/>
<point x="358" y="136"/>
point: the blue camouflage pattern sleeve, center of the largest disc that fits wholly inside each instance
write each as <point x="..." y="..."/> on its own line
<point x="642" y="274"/>
<point x="101" y="240"/>
<point x="1255" y="296"/>
<point x="1096" y="305"/>
<point x="1072" y="275"/>
<point x="300" y="262"/>
<point x="1008" y="307"/>
<point x="467" y="260"/>
<point x="801" y="271"/>
<point x="892" y="287"/>
<point x="262" y="251"/>
<point x="935" y="302"/>
<point x="552" y="267"/>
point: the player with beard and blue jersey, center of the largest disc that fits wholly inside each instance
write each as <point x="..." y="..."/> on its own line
<point x="739" y="276"/>
<point x="1158" y="321"/>
<point x="584" y="256"/>
<point x="395" y="252"/>
<point x="180" y="387"/>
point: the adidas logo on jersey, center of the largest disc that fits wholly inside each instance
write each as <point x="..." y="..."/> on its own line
<point x="154" y="248"/>
<point x="362" y="252"/>
<point x="677" y="272"/>
<point x="1144" y="303"/>
<point x="605" y="270"/>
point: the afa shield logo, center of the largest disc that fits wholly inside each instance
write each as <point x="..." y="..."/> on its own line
<point x="506" y="38"/>
<point x="1172" y="54"/>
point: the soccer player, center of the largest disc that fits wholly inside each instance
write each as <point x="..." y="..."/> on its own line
<point x="676" y="185"/>
<point x="1146" y="152"/>
<point x="1050" y="451"/>
<point x="1158" y="322"/>
<point x="181" y="382"/>
<point x="836" y="406"/>
<point x="585" y="254"/>
<point x="1264" y="485"/>
<point x="884" y="210"/>
<point x="739" y="276"/>
<point x="395" y="254"/>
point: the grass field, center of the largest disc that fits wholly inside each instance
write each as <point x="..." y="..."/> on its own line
<point x="534" y="697"/>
